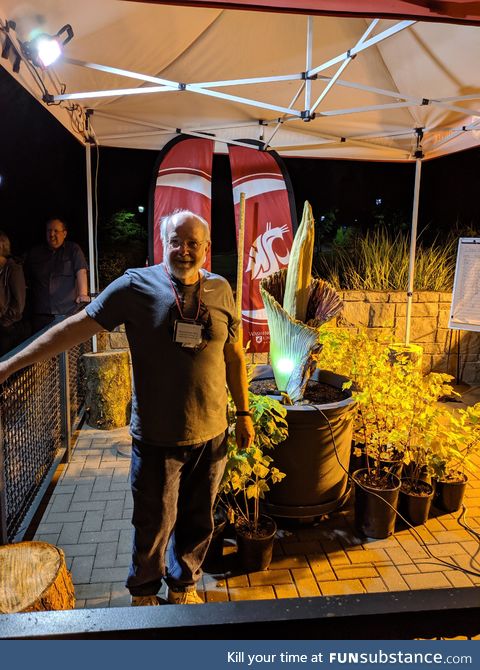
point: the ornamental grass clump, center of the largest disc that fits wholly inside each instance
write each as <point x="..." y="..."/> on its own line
<point x="297" y="305"/>
<point x="380" y="262"/>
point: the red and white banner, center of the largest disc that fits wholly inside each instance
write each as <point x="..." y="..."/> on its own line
<point x="183" y="181"/>
<point x="269" y="228"/>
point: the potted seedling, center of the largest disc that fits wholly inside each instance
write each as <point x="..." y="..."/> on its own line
<point x="315" y="456"/>
<point x="248" y="475"/>
<point x="421" y="419"/>
<point x="458" y="441"/>
<point x="397" y="423"/>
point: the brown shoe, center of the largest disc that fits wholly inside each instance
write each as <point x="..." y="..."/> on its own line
<point x="142" y="601"/>
<point x="184" y="598"/>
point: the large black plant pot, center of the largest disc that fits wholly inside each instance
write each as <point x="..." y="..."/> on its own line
<point x="315" y="482"/>
<point x="375" y="508"/>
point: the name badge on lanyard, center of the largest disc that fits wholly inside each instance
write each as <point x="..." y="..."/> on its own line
<point x="188" y="333"/>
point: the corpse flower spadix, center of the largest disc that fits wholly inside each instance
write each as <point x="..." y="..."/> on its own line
<point x="296" y="307"/>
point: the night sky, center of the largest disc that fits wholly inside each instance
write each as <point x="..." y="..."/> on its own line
<point x="43" y="174"/>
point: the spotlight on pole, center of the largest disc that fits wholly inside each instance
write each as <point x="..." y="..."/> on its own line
<point x="44" y="49"/>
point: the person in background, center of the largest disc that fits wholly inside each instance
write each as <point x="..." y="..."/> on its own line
<point x="57" y="276"/>
<point x="12" y="299"/>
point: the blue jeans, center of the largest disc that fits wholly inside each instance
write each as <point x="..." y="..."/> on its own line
<point x="174" y="490"/>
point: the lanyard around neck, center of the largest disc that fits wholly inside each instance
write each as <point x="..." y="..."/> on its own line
<point x="177" y="298"/>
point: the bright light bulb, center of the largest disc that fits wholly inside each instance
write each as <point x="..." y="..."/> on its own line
<point x="285" y="365"/>
<point x="48" y="50"/>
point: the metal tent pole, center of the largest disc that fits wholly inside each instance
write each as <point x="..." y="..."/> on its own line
<point x="91" y="237"/>
<point x="308" y="62"/>
<point x="413" y="245"/>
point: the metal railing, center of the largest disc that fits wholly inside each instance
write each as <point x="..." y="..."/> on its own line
<point x="40" y="407"/>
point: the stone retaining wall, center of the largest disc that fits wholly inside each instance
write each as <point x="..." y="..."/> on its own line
<point x="384" y="314"/>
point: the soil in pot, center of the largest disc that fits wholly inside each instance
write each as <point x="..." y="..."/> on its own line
<point x="415" y="500"/>
<point x="376" y="500"/>
<point x="449" y="493"/>
<point x="255" y="548"/>
<point x="316" y="393"/>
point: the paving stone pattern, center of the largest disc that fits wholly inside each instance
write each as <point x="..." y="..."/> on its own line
<point x="88" y="516"/>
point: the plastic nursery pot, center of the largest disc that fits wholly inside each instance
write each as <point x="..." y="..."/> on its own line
<point x="415" y="500"/>
<point x="375" y="505"/>
<point x="449" y="494"/>
<point x="255" y="550"/>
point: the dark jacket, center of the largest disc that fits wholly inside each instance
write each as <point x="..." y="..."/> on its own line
<point x="12" y="293"/>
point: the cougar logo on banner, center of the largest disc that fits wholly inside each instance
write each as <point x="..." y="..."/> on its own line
<point x="268" y="232"/>
<point x="262" y="259"/>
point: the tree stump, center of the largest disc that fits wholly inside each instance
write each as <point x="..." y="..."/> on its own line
<point x="109" y="393"/>
<point x="33" y="578"/>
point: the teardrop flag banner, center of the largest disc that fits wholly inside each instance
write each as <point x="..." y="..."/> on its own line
<point x="270" y="223"/>
<point x="182" y="180"/>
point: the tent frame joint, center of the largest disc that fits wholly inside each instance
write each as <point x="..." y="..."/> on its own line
<point x="306" y="115"/>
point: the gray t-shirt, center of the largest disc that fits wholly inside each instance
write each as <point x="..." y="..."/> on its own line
<point x="179" y="396"/>
<point x="52" y="276"/>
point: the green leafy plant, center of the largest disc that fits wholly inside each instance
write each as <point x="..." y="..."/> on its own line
<point x="398" y="415"/>
<point x="458" y="440"/>
<point x="296" y="307"/>
<point x="123" y="245"/>
<point x="249" y="472"/>
<point x="124" y="227"/>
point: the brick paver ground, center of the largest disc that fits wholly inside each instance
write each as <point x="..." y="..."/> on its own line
<point x="89" y="512"/>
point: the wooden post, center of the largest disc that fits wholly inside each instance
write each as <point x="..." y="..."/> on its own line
<point x="240" y="254"/>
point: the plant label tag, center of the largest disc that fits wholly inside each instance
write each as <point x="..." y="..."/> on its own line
<point x="187" y="333"/>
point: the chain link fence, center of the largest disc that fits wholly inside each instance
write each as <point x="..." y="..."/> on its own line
<point x="40" y="406"/>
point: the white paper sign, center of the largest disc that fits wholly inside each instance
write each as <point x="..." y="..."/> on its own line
<point x="465" y="310"/>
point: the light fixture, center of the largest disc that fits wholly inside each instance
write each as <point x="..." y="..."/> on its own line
<point x="44" y="49"/>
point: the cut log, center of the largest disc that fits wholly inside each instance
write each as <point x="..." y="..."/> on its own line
<point x="34" y="577"/>
<point x="108" y="394"/>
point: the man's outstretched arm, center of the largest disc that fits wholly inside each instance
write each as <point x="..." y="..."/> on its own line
<point x="61" y="337"/>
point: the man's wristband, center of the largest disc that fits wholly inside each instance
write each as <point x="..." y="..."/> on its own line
<point x="243" y="413"/>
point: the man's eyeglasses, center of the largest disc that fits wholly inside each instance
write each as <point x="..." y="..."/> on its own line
<point x="192" y="245"/>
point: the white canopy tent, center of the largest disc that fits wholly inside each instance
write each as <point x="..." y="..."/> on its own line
<point x="387" y="89"/>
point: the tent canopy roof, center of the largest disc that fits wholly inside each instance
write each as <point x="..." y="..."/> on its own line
<point x="375" y="90"/>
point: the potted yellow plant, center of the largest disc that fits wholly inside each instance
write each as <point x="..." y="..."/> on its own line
<point x="458" y="441"/>
<point x="395" y="428"/>
<point x="417" y="435"/>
